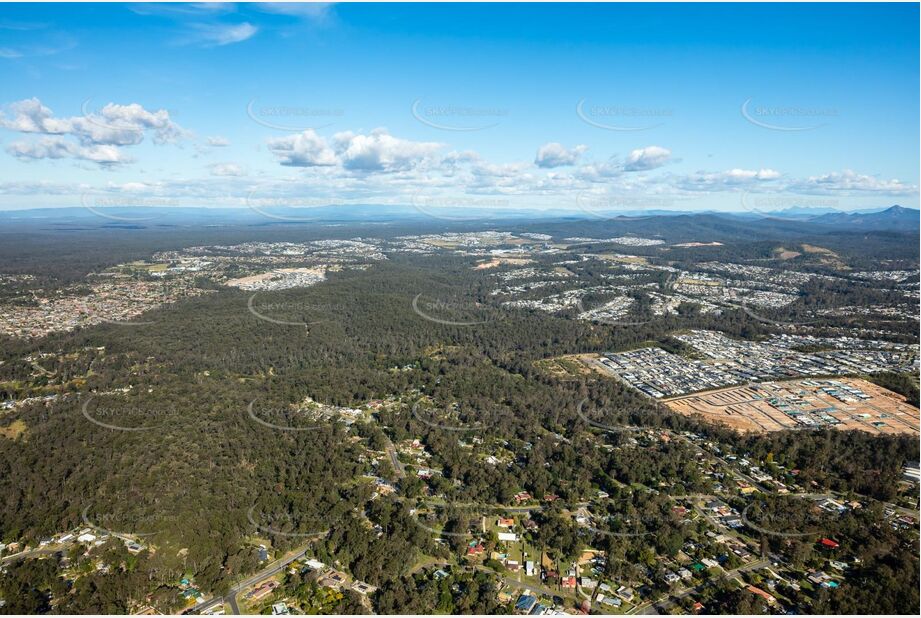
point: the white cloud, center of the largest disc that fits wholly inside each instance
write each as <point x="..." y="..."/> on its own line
<point x="227" y="169"/>
<point x="729" y="179"/>
<point x="554" y="154"/>
<point x="218" y="35"/>
<point x="850" y="181"/>
<point x="314" y="11"/>
<point x="381" y="152"/>
<point x="60" y="148"/>
<point x="305" y="149"/>
<point x="600" y="172"/>
<point x="504" y="178"/>
<point x="218" y="141"/>
<point x="647" y="158"/>
<point x="98" y="133"/>
<point x="377" y="151"/>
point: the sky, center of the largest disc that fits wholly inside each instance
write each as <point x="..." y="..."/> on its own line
<point x="591" y="107"/>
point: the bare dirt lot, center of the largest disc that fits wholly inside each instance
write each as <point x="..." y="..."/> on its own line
<point x="845" y="403"/>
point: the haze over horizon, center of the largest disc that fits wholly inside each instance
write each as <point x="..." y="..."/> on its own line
<point x="315" y="105"/>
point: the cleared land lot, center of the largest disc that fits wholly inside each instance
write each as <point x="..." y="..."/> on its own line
<point x="844" y="403"/>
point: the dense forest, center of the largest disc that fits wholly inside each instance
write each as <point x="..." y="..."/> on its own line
<point x="202" y="481"/>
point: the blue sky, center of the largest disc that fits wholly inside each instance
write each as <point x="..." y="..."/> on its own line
<point x="552" y="106"/>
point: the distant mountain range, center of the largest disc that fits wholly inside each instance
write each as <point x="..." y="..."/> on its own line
<point x="894" y="218"/>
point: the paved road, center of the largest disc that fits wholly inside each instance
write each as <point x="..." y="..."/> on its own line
<point x="268" y="571"/>
<point x="31" y="554"/>
<point x="398" y="466"/>
<point x="514" y="583"/>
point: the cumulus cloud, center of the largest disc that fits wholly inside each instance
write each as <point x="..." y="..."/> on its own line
<point x="647" y="158"/>
<point x="217" y="141"/>
<point x="381" y="152"/>
<point x="98" y="134"/>
<point x="554" y="154"/>
<point x="377" y="151"/>
<point x="305" y="149"/>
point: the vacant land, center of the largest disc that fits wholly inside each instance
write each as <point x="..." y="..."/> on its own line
<point x="847" y="403"/>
